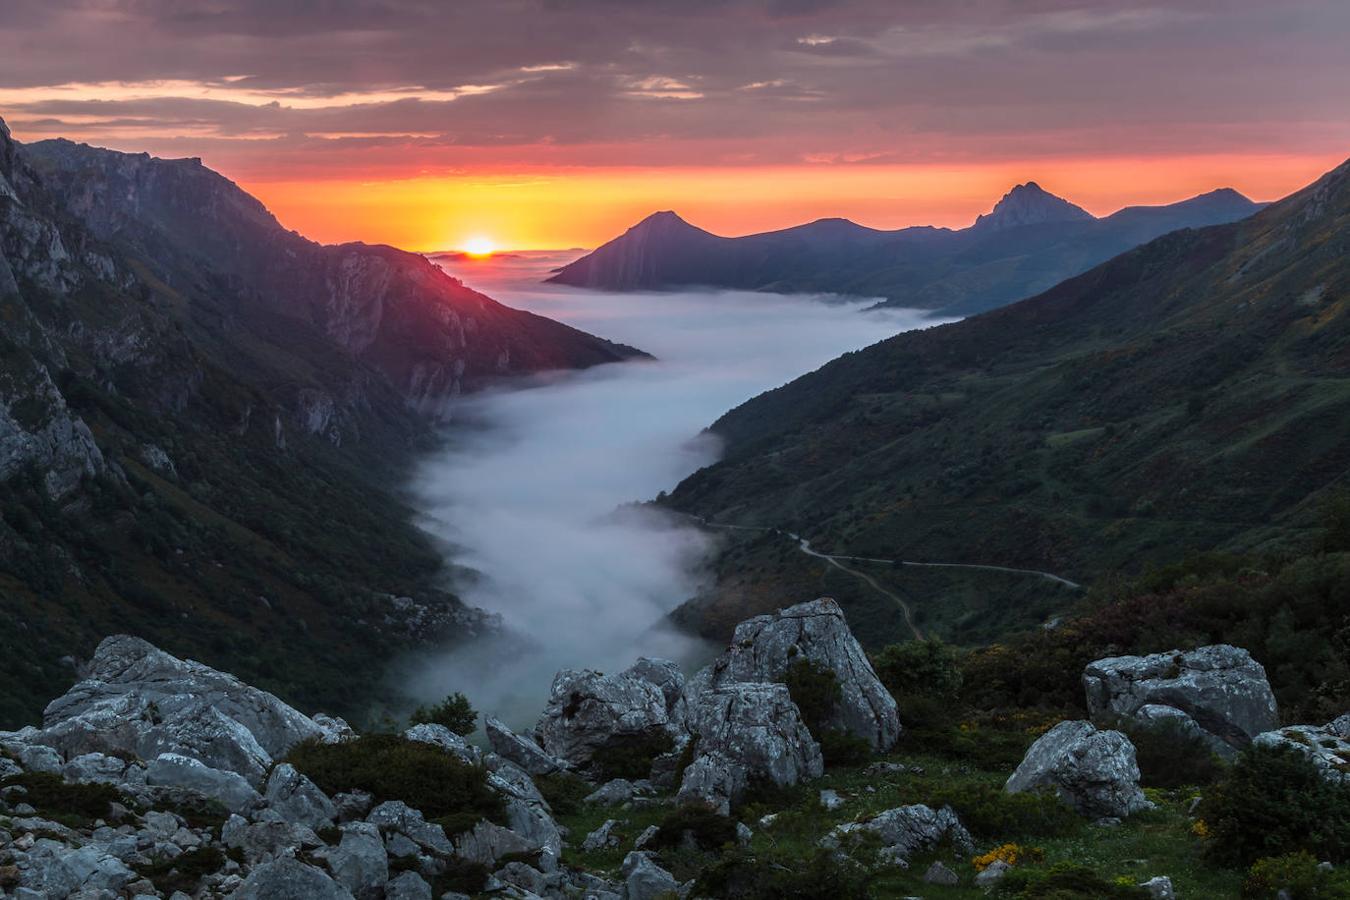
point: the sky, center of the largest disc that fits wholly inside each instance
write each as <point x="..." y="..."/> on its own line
<point x="558" y="123"/>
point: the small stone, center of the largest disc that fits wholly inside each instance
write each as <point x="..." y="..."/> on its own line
<point x="831" y="800"/>
<point x="601" y="837"/>
<point x="992" y="874"/>
<point x="743" y="835"/>
<point x="938" y="873"/>
<point x="648" y="835"/>
<point x="1160" y="888"/>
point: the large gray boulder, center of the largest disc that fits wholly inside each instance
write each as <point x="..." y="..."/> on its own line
<point x="285" y="878"/>
<point x="527" y="812"/>
<point x="1327" y="747"/>
<point x="764" y="647"/>
<point x="297" y="799"/>
<point x="643" y="879"/>
<point x="1093" y="771"/>
<point x="178" y="771"/>
<point x="747" y="732"/>
<point x="588" y="711"/>
<point x="1218" y="691"/>
<point x="520" y="750"/>
<point x="137" y="699"/>
<point x="905" y="831"/>
<point x="359" y="862"/>
<point x="485" y="843"/>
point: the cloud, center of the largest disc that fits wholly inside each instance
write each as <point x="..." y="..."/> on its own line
<point x="527" y="490"/>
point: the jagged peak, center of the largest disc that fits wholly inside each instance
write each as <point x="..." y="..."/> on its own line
<point x="1030" y="204"/>
<point x="665" y="217"/>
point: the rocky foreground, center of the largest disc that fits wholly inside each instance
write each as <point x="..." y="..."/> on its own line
<point x="159" y="777"/>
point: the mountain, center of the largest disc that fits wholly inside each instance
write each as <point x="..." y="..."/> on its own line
<point x="1188" y="395"/>
<point x="205" y="422"/>
<point x="1029" y="242"/>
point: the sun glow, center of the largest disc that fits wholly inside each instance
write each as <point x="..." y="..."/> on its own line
<point x="479" y="246"/>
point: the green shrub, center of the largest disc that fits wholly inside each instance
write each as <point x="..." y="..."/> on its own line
<point x="1274" y="802"/>
<point x="988" y="811"/>
<point x="925" y="679"/>
<point x="184" y="872"/>
<point x="454" y="712"/>
<point x="1296" y="876"/>
<point x="1170" y="756"/>
<point x="698" y="824"/>
<point x="461" y="877"/>
<point x="564" y="791"/>
<point x="991" y="749"/>
<point x="631" y="755"/>
<point x="390" y="767"/>
<point x="816" y="691"/>
<point x="839" y="748"/>
<point x="1065" y="881"/>
<point x="63" y="801"/>
<point x="739" y="875"/>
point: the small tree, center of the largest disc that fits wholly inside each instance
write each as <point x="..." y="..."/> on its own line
<point x="454" y="712"/>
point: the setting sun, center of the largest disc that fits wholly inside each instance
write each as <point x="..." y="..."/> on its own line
<point x="479" y="246"/>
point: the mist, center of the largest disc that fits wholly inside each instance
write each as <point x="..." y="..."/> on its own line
<point x="531" y="491"/>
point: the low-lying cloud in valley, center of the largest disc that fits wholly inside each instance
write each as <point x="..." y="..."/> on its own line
<point x="530" y="488"/>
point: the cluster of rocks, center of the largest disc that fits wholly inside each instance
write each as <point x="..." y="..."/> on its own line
<point x="737" y="713"/>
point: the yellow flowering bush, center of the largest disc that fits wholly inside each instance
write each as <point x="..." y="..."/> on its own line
<point x="1200" y="828"/>
<point x="1012" y="854"/>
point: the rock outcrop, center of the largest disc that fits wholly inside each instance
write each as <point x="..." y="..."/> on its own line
<point x="1218" y="691"/>
<point x="764" y="647"/>
<point x="905" y="831"/>
<point x="1327" y="746"/>
<point x="520" y="750"/>
<point x="1093" y="771"/>
<point x="588" y="712"/>
<point x="747" y="732"/>
<point x="136" y="699"/>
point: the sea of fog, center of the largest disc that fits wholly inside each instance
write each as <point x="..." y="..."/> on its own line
<point x="531" y="488"/>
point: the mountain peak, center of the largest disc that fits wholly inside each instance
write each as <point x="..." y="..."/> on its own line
<point x="1030" y="204"/>
<point x="664" y="218"/>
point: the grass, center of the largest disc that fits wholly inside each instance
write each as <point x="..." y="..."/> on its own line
<point x="1155" y="843"/>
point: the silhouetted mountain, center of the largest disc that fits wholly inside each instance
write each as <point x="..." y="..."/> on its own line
<point x="1029" y="242"/>
<point x="204" y="426"/>
<point x="1190" y="394"/>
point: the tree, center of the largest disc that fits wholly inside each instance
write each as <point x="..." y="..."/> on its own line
<point x="454" y="712"/>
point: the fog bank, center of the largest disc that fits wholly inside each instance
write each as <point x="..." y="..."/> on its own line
<point x="530" y="489"/>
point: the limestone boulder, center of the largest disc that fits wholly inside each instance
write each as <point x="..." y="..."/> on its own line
<point x="1093" y="771"/>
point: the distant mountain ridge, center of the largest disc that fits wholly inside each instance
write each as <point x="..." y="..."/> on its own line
<point x="1030" y="241"/>
<point x="1189" y="395"/>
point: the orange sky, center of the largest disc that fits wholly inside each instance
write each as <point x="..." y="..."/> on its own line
<point x="558" y="208"/>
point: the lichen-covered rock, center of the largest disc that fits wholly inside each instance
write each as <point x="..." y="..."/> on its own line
<point x="645" y="880"/>
<point x="588" y="711"/>
<point x="285" y="878"/>
<point x="747" y="732"/>
<point x="1327" y="747"/>
<point x="297" y="799"/>
<point x="1093" y="771"/>
<point x="612" y="793"/>
<point x="176" y="770"/>
<point x="54" y="870"/>
<point x="447" y="740"/>
<point x="407" y="886"/>
<point x="520" y="750"/>
<point x="135" y="698"/>
<point x="1219" y="688"/>
<point x="359" y="863"/>
<point x="764" y="647"/>
<point x="486" y="843"/>
<point x="397" y="816"/>
<point x="527" y="812"/>
<point x="904" y="831"/>
<point x="268" y="839"/>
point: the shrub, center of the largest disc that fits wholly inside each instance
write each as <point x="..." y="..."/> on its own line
<point x="631" y="755"/>
<point x="990" y="812"/>
<point x="454" y="712"/>
<point x="564" y="791"/>
<point x="1170" y="756"/>
<point x="925" y="679"/>
<point x="815" y="689"/>
<point x="739" y="875"/>
<point x="695" y="823"/>
<point x="1295" y="876"/>
<point x="64" y="801"/>
<point x="183" y="872"/>
<point x="391" y="767"/>
<point x="1065" y="881"/>
<point x="1274" y="802"/>
<point x="1012" y="854"/>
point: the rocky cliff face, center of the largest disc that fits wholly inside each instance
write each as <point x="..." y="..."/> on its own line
<point x="1030" y="204"/>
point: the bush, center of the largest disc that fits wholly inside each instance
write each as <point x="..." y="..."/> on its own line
<point x="1274" y="802"/>
<point x="454" y="712"/>
<point x="1295" y="876"/>
<point x="183" y="872"/>
<point x="63" y="801"/>
<point x="698" y="823"/>
<point x="1170" y="756"/>
<point x="925" y="679"/>
<point x="815" y="689"/>
<point x="739" y="875"/>
<point x="631" y="755"/>
<point x="986" y="810"/>
<point x="390" y="767"/>
<point x="564" y="791"/>
<point x="1065" y="881"/>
